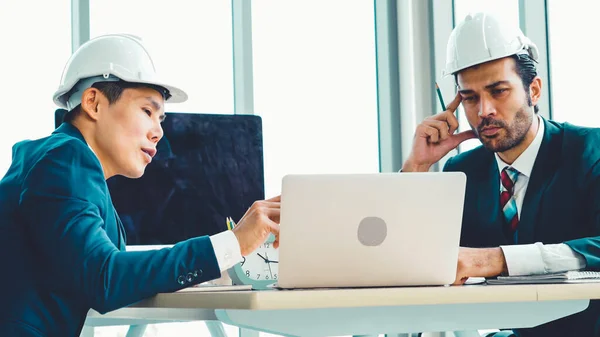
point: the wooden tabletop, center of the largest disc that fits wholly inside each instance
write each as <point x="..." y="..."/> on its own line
<point x="365" y="297"/>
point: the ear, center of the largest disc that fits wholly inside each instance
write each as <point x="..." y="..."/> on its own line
<point x="535" y="90"/>
<point x="90" y="100"/>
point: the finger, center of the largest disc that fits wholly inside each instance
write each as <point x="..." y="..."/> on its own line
<point x="461" y="137"/>
<point x="460" y="281"/>
<point x="465" y="135"/>
<point x="452" y="122"/>
<point x="455" y="103"/>
<point x="259" y="205"/>
<point x="447" y="117"/>
<point x="274" y="228"/>
<point x="276" y="233"/>
<point x="442" y="127"/>
<point x="269" y="227"/>
<point x="276" y="242"/>
<point x="268" y="204"/>
<point x="275" y="199"/>
<point x="273" y="214"/>
<point x="431" y="133"/>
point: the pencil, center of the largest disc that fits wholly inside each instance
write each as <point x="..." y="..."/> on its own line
<point x="439" y="93"/>
<point x="228" y="223"/>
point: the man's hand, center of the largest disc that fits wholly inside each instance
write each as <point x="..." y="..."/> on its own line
<point x="479" y="262"/>
<point x="261" y="219"/>
<point x="434" y="138"/>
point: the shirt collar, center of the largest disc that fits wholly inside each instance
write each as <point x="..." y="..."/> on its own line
<point x="93" y="151"/>
<point x="524" y="163"/>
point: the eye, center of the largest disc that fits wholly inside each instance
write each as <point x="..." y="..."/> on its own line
<point x="498" y="91"/>
<point x="468" y="98"/>
<point x="147" y="111"/>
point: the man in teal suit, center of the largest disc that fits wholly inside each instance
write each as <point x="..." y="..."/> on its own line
<point x="532" y="202"/>
<point x="62" y="245"/>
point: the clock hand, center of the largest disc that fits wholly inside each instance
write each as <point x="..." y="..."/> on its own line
<point x="270" y="272"/>
<point x="269" y="260"/>
<point x="266" y="260"/>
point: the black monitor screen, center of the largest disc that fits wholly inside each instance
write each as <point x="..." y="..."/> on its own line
<point x="208" y="167"/>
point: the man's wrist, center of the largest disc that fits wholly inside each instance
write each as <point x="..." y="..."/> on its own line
<point x="410" y="167"/>
<point x="497" y="262"/>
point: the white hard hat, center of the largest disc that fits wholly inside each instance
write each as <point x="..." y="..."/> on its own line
<point x="109" y="58"/>
<point x="482" y="37"/>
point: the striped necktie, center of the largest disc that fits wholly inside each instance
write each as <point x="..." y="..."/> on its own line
<point x="508" y="177"/>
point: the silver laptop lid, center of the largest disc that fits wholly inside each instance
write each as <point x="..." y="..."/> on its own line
<point x="357" y="230"/>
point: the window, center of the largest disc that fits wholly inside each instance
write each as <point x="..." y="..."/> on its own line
<point x="38" y="45"/>
<point x="189" y="41"/>
<point x="509" y="11"/>
<point x="573" y="73"/>
<point x="315" y="87"/>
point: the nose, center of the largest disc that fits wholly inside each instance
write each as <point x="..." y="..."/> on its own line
<point x="156" y="133"/>
<point x="486" y="107"/>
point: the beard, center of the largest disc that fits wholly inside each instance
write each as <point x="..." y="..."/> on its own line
<point x="514" y="133"/>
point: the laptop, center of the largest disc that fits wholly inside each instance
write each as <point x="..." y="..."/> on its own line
<point x="370" y="230"/>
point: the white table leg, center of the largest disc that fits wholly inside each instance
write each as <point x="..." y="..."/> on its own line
<point x="136" y="330"/>
<point x="215" y="329"/>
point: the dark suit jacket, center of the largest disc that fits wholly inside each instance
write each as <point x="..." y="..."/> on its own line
<point x="561" y="205"/>
<point x="62" y="243"/>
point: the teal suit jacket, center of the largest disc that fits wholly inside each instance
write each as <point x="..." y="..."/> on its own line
<point x="62" y="245"/>
<point x="561" y="205"/>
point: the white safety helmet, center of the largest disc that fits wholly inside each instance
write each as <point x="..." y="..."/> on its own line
<point x="482" y="37"/>
<point x="110" y="58"/>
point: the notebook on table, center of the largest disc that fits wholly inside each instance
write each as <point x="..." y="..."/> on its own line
<point x="565" y="277"/>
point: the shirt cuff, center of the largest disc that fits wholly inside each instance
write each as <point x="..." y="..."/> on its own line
<point x="560" y="258"/>
<point x="227" y="249"/>
<point x="523" y="260"/>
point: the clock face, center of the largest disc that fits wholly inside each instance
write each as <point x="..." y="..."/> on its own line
<point x="262" y="264"/>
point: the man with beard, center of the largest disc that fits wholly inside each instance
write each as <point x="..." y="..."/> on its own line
<point x="532" y="203"/>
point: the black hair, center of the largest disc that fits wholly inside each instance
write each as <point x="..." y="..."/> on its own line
<point x="527" y="71"/>
<point x="113" y="91"/>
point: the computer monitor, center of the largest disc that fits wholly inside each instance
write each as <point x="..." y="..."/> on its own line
<point x="208" y="167"/>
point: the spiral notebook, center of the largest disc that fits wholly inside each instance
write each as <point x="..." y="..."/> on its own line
<point x="566" y="277"/>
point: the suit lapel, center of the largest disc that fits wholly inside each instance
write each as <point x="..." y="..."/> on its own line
<point x="488" y="198"/>
<point x="72" y="131"/>
<point x="543" y="169"/>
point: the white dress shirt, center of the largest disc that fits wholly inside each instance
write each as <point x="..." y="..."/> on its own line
<point x="227" y="249"/>
<point x="225" y="244"/>
<point x="535" y="258"/>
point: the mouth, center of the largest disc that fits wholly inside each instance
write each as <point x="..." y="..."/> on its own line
<point x="150" y="152"/>
<point x="490" y="130"/>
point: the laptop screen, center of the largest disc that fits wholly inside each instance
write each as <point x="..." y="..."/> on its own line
<point x="208" y="167"/>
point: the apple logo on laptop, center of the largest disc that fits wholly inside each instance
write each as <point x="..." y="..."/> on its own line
<point x="372" y="231"/>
